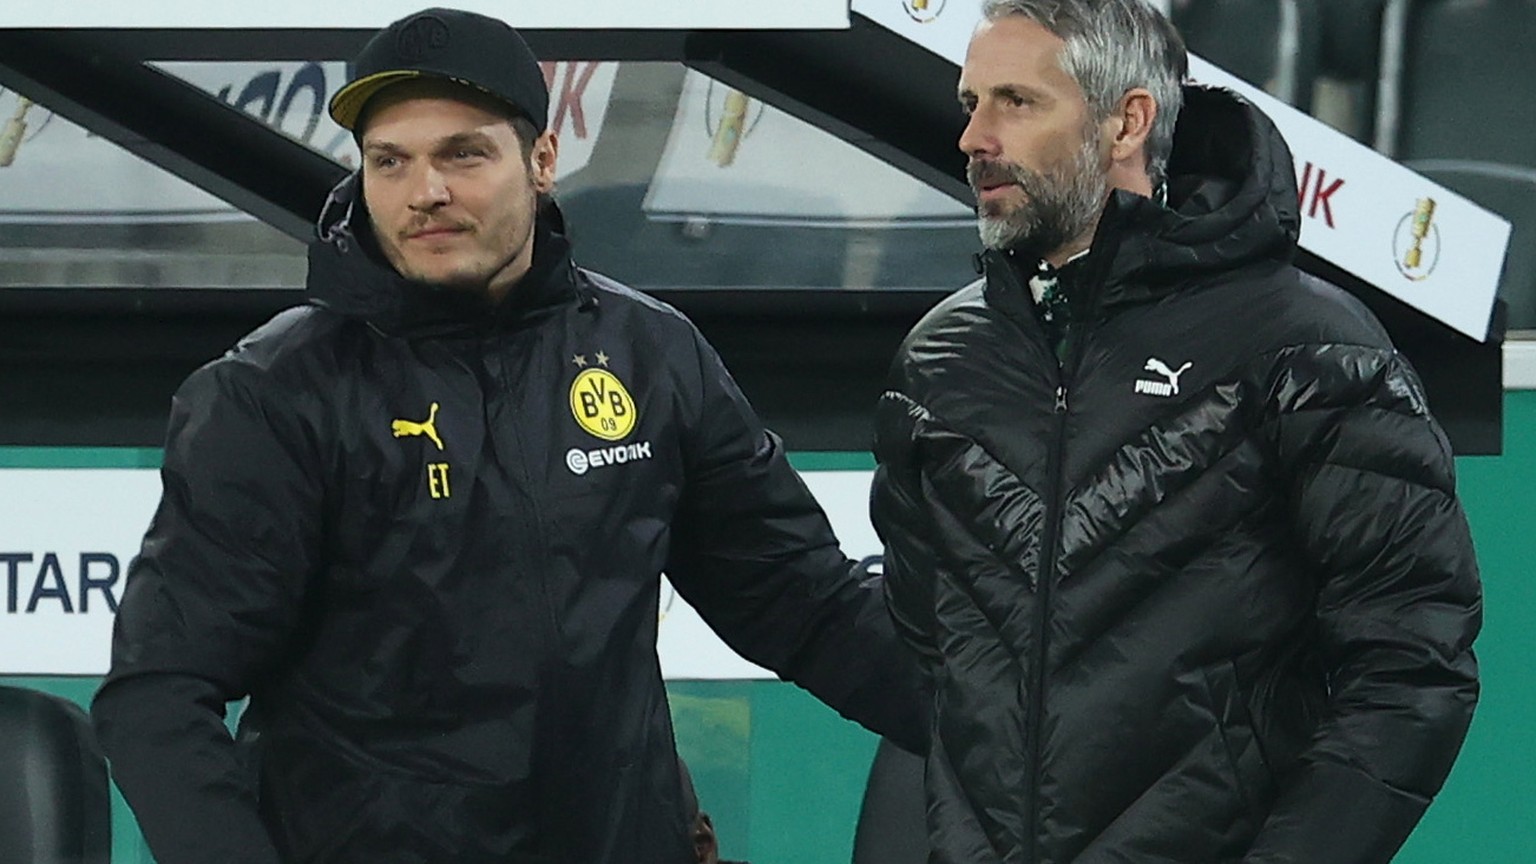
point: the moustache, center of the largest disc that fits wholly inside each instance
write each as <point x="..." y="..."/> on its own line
<point x="990" y="172"/>
<point x="424" y="225"/>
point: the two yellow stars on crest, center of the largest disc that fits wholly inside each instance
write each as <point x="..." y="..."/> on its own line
<point x="581" y="360"/>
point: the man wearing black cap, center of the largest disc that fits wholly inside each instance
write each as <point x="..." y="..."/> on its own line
<point x="420" y="522"/>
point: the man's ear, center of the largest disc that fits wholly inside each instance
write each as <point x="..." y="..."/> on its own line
<point x="1131" y="124"/>
<point x="543" y="160"/>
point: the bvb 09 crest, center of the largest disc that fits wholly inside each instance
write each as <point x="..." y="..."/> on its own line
<point x="601" y="405"/>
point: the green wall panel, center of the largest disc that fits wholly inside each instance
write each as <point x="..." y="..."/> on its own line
<point x="1487" y="811"/>
<point x="80" y="457"/>
<point x="713" y="724"/>
<point x="808" y="771"/>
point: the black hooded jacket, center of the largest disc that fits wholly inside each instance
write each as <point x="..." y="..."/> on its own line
<point x="424" y="534"/>
<point x="1201" y="589"/>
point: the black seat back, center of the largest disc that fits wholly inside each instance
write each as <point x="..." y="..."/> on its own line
<point x="1272" y="44"/>
<point x="1464" y="69"/>
<point x="55" y="807"/>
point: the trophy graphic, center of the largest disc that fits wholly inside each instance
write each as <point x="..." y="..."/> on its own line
<point x="732" y="128"/>
<point x="1423" y="218"/>
<point x="923" y="11"/>
<point x="10" y="136"/>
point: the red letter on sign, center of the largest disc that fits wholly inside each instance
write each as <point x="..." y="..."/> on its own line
<point x="572" y="89"/>
<point x="1322" y="196"/>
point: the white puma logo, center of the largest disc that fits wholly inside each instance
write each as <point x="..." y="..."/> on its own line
<point x="1161" y="388"/>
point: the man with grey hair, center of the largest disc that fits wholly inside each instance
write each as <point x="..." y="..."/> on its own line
<point x="1168" y="519"/>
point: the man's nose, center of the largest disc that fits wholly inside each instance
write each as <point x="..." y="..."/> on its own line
<point x="431" y="189"/>
<point x="977" y="138"/>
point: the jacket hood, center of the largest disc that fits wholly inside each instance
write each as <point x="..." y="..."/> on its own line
<point x="349" y="275"/>
<point x="1231" y="203"/>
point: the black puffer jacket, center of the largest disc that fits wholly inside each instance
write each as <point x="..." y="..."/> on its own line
<point x="425" y="535"/>
<point x="1201" y="591"/>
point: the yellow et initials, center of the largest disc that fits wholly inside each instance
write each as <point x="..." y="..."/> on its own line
<point x="437" y="479"/>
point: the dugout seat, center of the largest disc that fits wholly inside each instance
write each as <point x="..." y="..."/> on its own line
<point x="1463" y="68"/>
<point x="1273" y="44"/>
<point x="55" y="807"/>
<point x="1349" y="58"/>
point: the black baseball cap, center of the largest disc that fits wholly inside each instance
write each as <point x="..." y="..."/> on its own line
<point x="474" y="50"/>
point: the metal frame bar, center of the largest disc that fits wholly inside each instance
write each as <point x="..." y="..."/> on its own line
<point x="171" y="124"/>
<point x="1389" y="76"/>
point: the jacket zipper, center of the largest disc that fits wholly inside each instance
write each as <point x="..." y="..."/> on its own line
<point x="1048" y="551"/>
<point x="1049" y="540"/>
<point x="1066" y="365"/>
<point x="516" y="463"/>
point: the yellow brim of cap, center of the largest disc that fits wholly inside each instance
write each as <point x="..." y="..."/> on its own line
<point x="348" y="102"/>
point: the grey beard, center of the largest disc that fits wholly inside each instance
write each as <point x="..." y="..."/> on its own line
<point x="1057" y="208"/>
<point x="1000" y="233"/>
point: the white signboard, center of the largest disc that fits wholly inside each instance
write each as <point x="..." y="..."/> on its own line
<point x="942" y="26"/>
<point x="109" y="184"/>
<point x="689" y="649"/>
<point x="67" y="536"/>
<point x="1407" y="235"/>
<point x="1365" y="213"/>
<point x="736" y="160"/>
<point x="372" y="14"/>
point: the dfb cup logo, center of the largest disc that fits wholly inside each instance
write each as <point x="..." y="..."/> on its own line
<point x="1416" y="242"/>
<point x="923" y="11"/>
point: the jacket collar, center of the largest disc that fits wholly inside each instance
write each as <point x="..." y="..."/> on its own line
<point x="349" y="275"/>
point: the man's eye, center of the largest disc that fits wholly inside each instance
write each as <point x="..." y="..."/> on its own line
<point x="385" y="162"/>
<point x="468" y="153"/>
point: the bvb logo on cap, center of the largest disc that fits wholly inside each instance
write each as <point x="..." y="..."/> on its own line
<point x="421" y="37"/>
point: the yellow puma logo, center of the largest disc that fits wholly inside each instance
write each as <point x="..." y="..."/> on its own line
<point x="403" y="428"/>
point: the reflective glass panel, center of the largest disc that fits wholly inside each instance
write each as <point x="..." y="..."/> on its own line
<point x="668" y="178"/>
